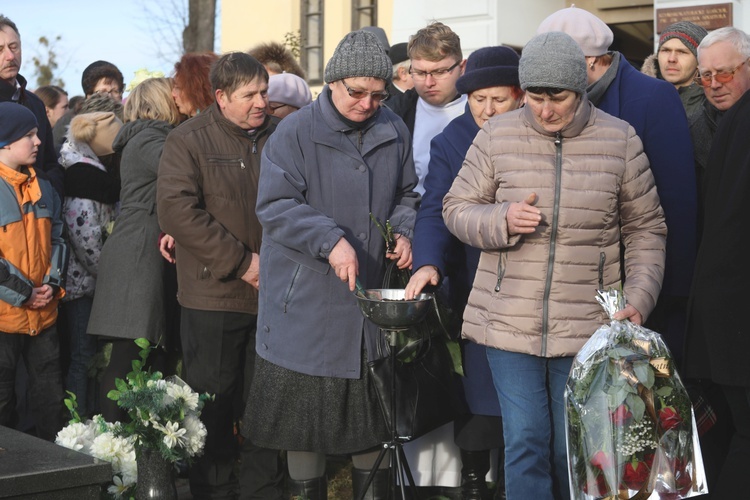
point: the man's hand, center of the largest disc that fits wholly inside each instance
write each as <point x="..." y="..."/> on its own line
<point x="630" y="313"/>
<point x="423" y="276"/>
<point x="343" y="260"/>
<point x="402" y="253"/>
<point x="523" y="217"/>
<point x="252" y="275"/>
<point x="40" y="297"/>
<point x="166" y="247"/>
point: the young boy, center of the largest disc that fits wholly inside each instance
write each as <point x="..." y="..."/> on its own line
<point x="32" y="262"/>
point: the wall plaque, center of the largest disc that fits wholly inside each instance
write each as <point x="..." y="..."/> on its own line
<point x="711" y="17"/>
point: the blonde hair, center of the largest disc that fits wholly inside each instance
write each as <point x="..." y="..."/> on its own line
<point x="435" y="42"/>
<point x="152" y="100"/>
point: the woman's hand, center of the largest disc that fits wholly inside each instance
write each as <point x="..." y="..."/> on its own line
<point x="343" y="260"/>
<point x="422" y="277"/>
<point x="523" y="217"/>
<point x="630" y="313"/>
<point x="402" y="253"/>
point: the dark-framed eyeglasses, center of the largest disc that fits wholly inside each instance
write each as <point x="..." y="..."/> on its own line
<point x="705" y="79"/>
<point x="274" y="107"/>
<point x="437" y="74"/>
<point x="361" y="94"/>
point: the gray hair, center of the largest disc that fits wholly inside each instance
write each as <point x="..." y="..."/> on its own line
<point x="734" y="36"/>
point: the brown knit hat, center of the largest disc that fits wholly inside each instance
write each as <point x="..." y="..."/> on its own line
<point x="98" y="130"/>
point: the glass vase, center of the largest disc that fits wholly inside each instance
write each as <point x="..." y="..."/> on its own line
<point x="155" y="476"/>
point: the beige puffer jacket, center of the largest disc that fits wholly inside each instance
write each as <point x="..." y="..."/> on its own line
<point x="534" y="293"/>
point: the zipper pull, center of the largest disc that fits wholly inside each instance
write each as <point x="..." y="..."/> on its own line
<point x="255" y="146"/>
<point x="497" y="286"/>
<point x="242" y="164"/>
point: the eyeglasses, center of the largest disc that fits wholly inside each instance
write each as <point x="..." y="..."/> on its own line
<point x="437" y="74"/>
<point x="274" y="107"/>
<point x="111" y="93"/>
<point x="361" y="94"/>
<point x="722" y="77"/>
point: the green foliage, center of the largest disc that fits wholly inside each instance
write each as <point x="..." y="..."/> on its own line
<point x="46" y="64"/>
<point x="293" y="42"/>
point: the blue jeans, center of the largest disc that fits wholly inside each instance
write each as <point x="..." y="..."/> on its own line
<point x="82" y="352"/>
<point x="530" y="390"/>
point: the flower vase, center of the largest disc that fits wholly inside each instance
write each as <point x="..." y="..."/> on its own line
<point x="155" y="477"/>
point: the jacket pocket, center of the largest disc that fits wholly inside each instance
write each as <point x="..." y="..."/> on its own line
<point x="502" y="261"/>
<point x="290" y="290"/>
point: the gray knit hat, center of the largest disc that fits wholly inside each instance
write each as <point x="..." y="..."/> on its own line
<point x="691" y="35"/>
<point x="553" y="60"/>
<point x="359" y="54"/>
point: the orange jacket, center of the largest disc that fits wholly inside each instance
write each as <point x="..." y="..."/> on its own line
<point x="32" y="251"/>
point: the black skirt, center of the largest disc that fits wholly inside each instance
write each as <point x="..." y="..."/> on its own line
<point x="288" y="410"/>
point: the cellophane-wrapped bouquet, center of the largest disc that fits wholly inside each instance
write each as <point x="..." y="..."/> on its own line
<point x="631" y="432"/>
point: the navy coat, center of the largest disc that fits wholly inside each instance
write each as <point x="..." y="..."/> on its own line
<point x="434" y="245"/>
<point x="320" y="179"/>
<point x="654" y="109"/>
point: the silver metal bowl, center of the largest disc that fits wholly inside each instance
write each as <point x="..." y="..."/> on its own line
<point x="387" y="308"/>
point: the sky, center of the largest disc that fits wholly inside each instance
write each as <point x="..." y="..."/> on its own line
<point x="125" y="33"/>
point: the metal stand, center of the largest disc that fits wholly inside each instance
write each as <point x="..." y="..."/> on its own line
<point x="399" y="467"/>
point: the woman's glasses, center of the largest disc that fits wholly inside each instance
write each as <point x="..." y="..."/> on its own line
<point x="722" y="77"/>
<point x="361" y="94"/>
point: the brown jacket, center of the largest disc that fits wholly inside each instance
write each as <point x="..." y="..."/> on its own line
<point x="206" y="193"/>
<point x="534" y="293"/>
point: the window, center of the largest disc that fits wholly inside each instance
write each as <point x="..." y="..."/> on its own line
<point x="312" y="40"/>
<point x="364" y="13"/>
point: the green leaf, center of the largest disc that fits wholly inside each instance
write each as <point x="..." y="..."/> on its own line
<point x="113" y="395"/>
<point x="664" y="391"/>
<point x="645" y="373"/>
<point x="637" y="406"/>
<point x="137" y="365"/>
<point x="142" y="343"/>
<point x="121" y="385"/>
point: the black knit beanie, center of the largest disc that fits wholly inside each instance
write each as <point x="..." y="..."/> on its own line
<point x="489" y="67"/>
<point x="15" y="122"/>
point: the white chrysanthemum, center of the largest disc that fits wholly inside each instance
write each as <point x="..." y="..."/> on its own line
<point x="183" y="393"/>
<point x="110" y="448"/>
<point x="156" y="384"/>
<point x="196" y="434"/>
<point x="77" y="436"/>
<point x="173" y="434"/>
<point x="129" y="470"/>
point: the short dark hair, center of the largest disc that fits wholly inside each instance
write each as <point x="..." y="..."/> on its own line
<point x="4" y="21"/>
<point x="97" y="71"/>
<point x="50" y="95"/>
<point x="550" y="91"/>
<point x="234" y="70"/>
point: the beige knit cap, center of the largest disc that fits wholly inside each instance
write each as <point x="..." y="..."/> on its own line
<point x="98" y="130"/>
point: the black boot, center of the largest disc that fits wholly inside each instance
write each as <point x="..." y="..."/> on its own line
<point x="379" y="487"/>
<point x="309" y="489"/>
<point x="475" y="466"/>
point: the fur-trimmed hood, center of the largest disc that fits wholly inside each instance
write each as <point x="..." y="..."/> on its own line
<point x="651" y="67"/>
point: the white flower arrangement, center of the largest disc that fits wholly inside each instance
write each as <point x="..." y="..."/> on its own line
<point x="164" y="416"/>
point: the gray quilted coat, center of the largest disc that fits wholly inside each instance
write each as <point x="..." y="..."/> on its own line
<point x="534" y="293"/>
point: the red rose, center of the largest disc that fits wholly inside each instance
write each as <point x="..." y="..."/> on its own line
<point x="621" y="415"/>
<point x="669" y="418"/>
<point x="602" y="460"/>
<point x="596" y="486"/>
<point x="635" y="475"/>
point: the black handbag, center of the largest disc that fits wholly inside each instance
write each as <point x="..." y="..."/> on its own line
<point x="427" y="388"/>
